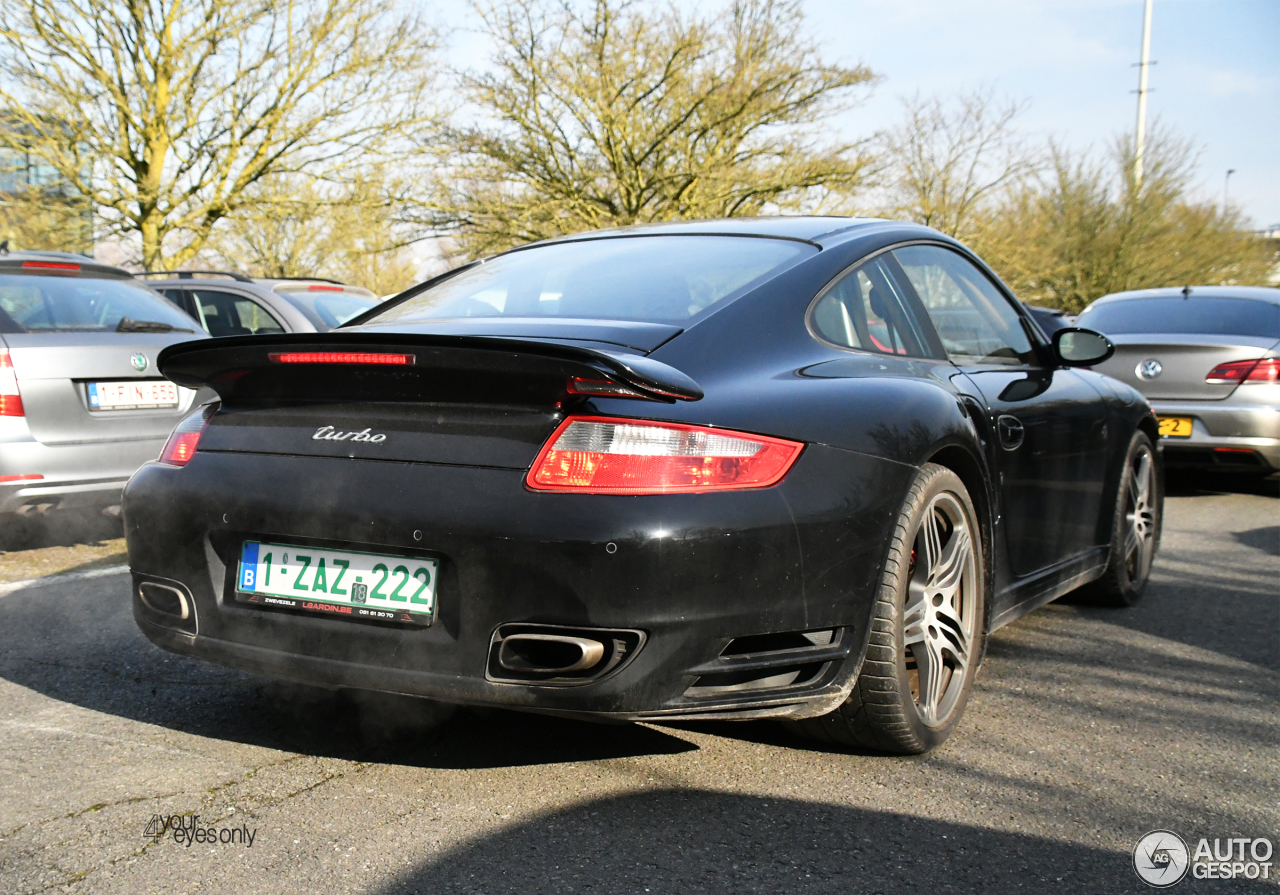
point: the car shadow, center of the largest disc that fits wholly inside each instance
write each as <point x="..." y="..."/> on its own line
<point x="691" y="841"/>
<point x="1266" y="539"/>
<point x="77" y="642"/>
<point x="1195" y="483"/>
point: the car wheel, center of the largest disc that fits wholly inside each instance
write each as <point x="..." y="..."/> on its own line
<point x="927" y="627"/>
<point x="1135" y="534"/>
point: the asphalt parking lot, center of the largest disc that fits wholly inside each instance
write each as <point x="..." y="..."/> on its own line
<point x="1089" y="728"/>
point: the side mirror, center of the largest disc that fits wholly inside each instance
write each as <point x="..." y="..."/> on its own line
<point x="1076" y="347"/>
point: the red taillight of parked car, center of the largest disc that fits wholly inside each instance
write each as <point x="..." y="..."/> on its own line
<point x="604" y="455"/>
<point x="10" y="397"/>
<point x="1266" y="369"/>
<point x="184" y="440"/>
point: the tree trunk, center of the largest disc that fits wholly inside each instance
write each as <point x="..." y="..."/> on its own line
<point x="152" y="249"/>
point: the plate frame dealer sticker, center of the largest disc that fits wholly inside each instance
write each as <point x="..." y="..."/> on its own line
<point x="345" y="584"/>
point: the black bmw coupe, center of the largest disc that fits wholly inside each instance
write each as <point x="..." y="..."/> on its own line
<point x="793" y="468"/>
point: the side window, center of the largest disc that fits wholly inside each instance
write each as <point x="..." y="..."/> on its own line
<point x="178" y="299"/>
<point x="865" y="310"/>
<point x="974" y="320"/>
<point x="234" y="315"/>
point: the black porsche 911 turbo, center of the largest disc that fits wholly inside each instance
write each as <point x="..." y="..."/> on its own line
<point x="793" y="468"/>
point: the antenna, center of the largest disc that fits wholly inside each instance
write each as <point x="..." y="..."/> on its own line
<point x="1186" y="291"/>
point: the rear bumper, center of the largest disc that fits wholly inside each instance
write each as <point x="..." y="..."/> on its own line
<point x="72" y="476"/>
<point x="693" y="572"/>
<point x="1237" y="428"/>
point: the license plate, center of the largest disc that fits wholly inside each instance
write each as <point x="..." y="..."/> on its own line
<point x="342" y="583"/>
<point x="1175" y="426"/>
<point x="132" y="394"/>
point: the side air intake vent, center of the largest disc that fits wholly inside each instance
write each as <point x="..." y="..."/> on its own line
<point x="776" y="661"/>
<point x="760" y="679"/>
<point x="773" y="643"/>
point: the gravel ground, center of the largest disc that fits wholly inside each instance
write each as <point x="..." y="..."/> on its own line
<point x="1088" y="728"/>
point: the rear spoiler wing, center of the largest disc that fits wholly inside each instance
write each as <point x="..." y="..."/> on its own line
<point x="223" y="363"/>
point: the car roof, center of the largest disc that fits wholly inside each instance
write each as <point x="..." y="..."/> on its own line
<point x="60" y="264"/>
<point x="1254" y="293"/>
<point x="809" y="228"/>
<point x="273" y="285"/>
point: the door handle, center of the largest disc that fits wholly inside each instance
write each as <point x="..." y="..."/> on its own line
<point x="1010" y="431"/>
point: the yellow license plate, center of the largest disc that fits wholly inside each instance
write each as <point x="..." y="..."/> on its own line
<point x="1175" y="426"/>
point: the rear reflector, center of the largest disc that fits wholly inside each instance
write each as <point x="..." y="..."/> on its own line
<point x="603" y="455"/>
<point x="602" y="388"/>
<point x="1266" y="369"/>
<point x="20" y="478"/>
<point x="10" y="397"/>
<point x="324" y="288"/>
<point x="340" y="357"/>
<point x="50" y="265"/>
<point x="182" y="444"/>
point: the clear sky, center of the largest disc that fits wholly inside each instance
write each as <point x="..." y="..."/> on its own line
<point x="1217" y="80"/>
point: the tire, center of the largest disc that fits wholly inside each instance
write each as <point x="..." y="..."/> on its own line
<point x="908" y="632"/>
<point x="1135" y="531"/>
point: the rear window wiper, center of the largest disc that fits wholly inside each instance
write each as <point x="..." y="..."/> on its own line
<point x="129" y="325"/>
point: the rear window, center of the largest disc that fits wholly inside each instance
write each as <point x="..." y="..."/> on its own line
<point x="37" y="304"/>
<point x="1192" y="316"/>
<point x="329" y="309"/>
<point x="658" y="279"/>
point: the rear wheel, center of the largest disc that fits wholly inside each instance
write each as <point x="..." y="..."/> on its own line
<point x="1135" y="534"/>
<point x="926" y="628"/>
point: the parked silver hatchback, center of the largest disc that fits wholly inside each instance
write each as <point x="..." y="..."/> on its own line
<point x="82" y="404"/>
<point x="231" y="304"/>
<point x="1208" y="359"/>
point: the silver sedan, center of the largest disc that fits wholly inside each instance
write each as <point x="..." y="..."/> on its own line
<point x="1207" y="359"/>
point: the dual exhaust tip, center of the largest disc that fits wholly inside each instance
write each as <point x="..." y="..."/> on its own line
<point x="165" y="603"/>
<point x="551" y="654"/>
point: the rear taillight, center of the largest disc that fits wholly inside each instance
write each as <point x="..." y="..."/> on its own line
<point x="34" y="477"/>
<point x="182" y="443"/>
<point x="602" y="455"/>
<point x="10" y="397"/>
<point x="340" y="357"/>
<point x="1265" y="370"/>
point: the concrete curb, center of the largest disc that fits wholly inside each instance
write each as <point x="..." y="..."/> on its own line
<point x="9" y="587"/>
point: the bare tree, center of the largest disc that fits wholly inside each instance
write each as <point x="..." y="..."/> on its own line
<point x="1089" y="228"/>
<point x="949" y="160"/>
<point x="609" y="115"/>
<point x="165" y="113"/>
<point x="294" y="227"/>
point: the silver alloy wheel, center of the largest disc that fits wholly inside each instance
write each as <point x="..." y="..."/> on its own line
<point x="940" y="613"/>
<point x="1140" y="517"/>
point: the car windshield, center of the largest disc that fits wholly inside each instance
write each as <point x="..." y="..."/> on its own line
<point x="659" y="279"/>
<point x="332" y="309"/>
<point x="38" y="304"/>
<point x="1192" y="316"/>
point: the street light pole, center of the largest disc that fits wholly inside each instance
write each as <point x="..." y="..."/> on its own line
<point x="1143" y="66"/>
<point x="1226" y="185"/>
